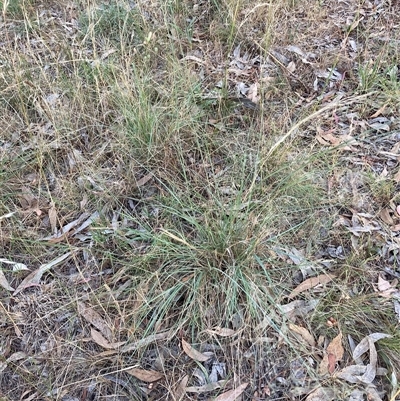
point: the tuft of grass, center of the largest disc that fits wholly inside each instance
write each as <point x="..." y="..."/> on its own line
<point x="117" y="24"/>
<point x="15" y="8"/>
<point x="210" y="213"/>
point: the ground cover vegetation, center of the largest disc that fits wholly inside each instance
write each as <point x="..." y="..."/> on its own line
<point x="199" y="200"/>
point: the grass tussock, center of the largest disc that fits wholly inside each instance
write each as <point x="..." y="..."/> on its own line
<point x="198" y="165"/>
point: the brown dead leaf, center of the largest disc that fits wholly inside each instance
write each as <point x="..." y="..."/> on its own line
<point x="148" y="376"/>
<point x="396" y="177"/>
<point x="34" y="278"/>
<point x="222" y="331"/>
<point x="100" y="340"/>
<point x="321" y="394"/>
<point x="324" y="137"/>
<point x="323" y="368"/>
<point x="335" y="352"/>
<point x="192" y="353"/>
<point x="336" y="347"/>
<point x="16" y="356"/>
<point x="252" y="93"/>
<point x="304" y="333"/>
<point x="180" y="389"/>
<point x="29" y="202"/>
<point x="144" y="180"/>
<point x="378" y="112"/>
<point x="387" y="289"/>
<point x="53" y="218"/>
<point x="95" y="319"/>
<point x="384" y="214"/>
<point x="4" y="283"/>
<point x="311" y="283"/>
<point x="233" y="394"/>
<point x="327" y="138"/>
<point x="331" y="363"/>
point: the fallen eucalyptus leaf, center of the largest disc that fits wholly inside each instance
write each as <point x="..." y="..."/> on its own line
<point x="233" y="394"/>
<point x="34" y="278"/>
<point x="192" y="353"/>
<point x="311" y="283"/>
<point x="148" y="376"/>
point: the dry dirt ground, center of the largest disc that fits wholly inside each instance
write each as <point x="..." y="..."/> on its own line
<point x="199" y="200"/>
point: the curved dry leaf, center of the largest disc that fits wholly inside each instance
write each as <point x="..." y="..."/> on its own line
<point x="387" y="289"/>
<point x="369" y="374"/>
<point x="34" y="278"/>
<point x="304" y="333"/>
<point x="95" y="319"/>
<point x="233" y="394"/>
<point x="52" y="213"/>
<point x="192" y="353"/>
<point x="323" y="368"/>
<point x="16" y="356"/>
<point x="351" y="373"/>
<point x="384" y="214"/>
<point x="311" y="283"/>
<point x="16" y="266"/>
<point x="100" y="340"/>
<point x="4" y="283"/>
<point x="144" y="180"/>
<point x="336" y="348"/>
<point x="334" y="353"/>
<point x="148" y="376"/>
<point x="222" y="331"/>
<point x="19" y="267"/>
<point x="180" y="389"/>
<point x="321" y="394"/>
<point x="364" y="344"/>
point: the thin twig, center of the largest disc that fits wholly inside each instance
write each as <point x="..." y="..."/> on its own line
<point x="332" y="105"/>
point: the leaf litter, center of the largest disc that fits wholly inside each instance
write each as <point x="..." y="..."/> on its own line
<point x="193" y="353"/>
<point x="311" y="282"/>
